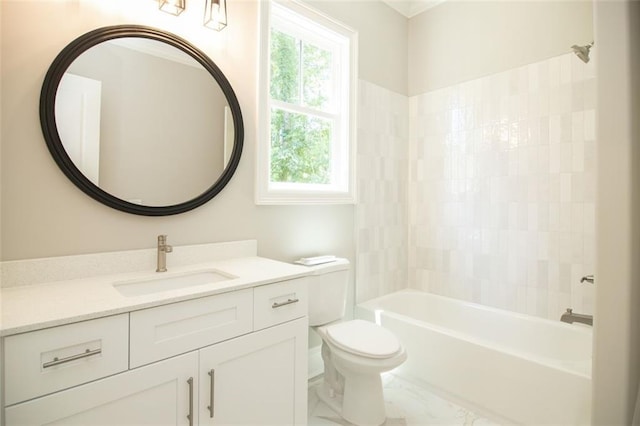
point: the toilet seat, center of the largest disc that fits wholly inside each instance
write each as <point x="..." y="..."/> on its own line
<point x="363" y="338"/>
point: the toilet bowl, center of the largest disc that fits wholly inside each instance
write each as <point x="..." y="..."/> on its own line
<point x="354" y="352"/>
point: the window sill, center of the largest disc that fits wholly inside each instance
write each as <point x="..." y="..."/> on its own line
<point x="301" y="198"/>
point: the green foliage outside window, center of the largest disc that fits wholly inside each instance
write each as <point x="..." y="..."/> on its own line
<point x="300" y="143"/>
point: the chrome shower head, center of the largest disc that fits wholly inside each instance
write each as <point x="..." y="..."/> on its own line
<point x="582" y="52"/>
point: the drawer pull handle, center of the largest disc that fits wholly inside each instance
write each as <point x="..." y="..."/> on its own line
<point x="213" y="378"/>
<point x="288" y="302"/>
<point x="190" y="415"/>
<point x="57" y="361"/>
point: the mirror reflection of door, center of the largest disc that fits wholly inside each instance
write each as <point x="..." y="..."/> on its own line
<point x="78" y="110"/>
<point x="162" y="137"/>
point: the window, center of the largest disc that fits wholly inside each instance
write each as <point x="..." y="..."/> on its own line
<point x="306" y="146"/>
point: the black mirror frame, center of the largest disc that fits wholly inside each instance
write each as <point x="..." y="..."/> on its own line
<point x="50" y="131"/>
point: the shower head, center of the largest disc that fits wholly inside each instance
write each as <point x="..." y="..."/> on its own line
<point x="582" y="52"/>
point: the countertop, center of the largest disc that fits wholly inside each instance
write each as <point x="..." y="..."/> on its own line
<point x="32" y="307"/>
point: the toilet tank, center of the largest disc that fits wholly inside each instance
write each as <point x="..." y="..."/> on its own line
<point x="328" y="284"/>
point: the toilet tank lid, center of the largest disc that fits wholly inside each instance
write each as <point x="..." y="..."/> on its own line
<point x="338" y="264"/>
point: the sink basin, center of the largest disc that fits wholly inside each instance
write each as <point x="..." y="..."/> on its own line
<point x="169" y="281"/>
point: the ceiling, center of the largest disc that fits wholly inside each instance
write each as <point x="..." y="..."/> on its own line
<point x="411" y="8"/>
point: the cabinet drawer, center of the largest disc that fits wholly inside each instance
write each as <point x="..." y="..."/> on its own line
<point x="165" y="331"/>
<point x="45" y="361"/>
<point x="276" y="303"/>
<point x="155" y="395"/>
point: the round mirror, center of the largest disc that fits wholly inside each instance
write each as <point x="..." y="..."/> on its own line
<point x="141" y="120"/>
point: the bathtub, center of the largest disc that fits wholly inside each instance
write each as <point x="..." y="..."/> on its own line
<point x="512" y="367"/>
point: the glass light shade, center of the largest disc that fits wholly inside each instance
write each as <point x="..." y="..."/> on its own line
<point x="174" y="7"/>
<point x="215" y="14"/>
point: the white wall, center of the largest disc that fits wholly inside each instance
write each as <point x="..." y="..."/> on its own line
<point x="616" y="372"/>
<point x="382" y="44"/>
<point x="458" y="41"/>
<point x="43" y="214"/>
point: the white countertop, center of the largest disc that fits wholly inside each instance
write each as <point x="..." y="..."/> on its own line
<point x="32" y="307"/>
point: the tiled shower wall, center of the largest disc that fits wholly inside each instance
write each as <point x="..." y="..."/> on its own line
<point x="501" y="188"/>
<point x="381" y="212"/>
<point x="482" y="191"/>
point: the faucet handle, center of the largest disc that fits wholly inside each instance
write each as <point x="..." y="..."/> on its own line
<point x="587" y="278"/>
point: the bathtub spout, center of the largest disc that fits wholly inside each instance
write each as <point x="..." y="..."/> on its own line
<point x="570" y="317"/>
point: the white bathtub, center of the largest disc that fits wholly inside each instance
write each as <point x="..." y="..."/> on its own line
<point x="517" y="367"/>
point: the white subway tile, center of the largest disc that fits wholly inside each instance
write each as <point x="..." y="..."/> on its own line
<point x="577" y="96"/>
<point x="590" y="67"/>
<point x="577" y="247"/>
<point x="543" y="248"/>
<point x="565" y="217"/>
<point x="543" y="216"/>
<point x="577" y="218"/>
<point x="553" y="278"/>
<point x="565" y="187"/>
<point x="577" y="69"/>
<point x="554" y="72"/>
<point x="564" y="284"/>
<point x="554" y="158"/>
<point x="555" y="103"/>
<point x="589" y="125"/>
<point x="566" y="158"/>
<point x="554" y="217"/>
<point x="565" y="99"/>
<point x="577" y="156"/>
<point x="590" y="94"/>
<point x="578" y="126"/>
<point x="555" y="129"/>
<point x="565" y="247"/>
<point x="565" y="69"/>
<point x="544" y="103"/>
<point x="544" y="131"/>
<point x="589" y="222"/>
<point x="589" y="187"/>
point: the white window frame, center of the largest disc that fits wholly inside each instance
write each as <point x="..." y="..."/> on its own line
<point x="290" y="15"/>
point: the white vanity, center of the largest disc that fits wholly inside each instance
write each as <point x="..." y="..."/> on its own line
<point x="134" y="348"/>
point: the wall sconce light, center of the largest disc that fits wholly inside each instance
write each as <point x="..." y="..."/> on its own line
<point x="215" y="14"/>
<point x="174" y="7"/>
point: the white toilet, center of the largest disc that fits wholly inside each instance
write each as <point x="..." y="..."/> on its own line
<point x="354" y="352"/>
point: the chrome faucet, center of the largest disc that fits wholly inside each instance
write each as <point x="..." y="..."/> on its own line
<point x="587" y="278"/>
<point x="163" y="249"/>
<point x="570" y="317"/>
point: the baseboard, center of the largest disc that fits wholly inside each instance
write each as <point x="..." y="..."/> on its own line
<point x="316" y="366"/>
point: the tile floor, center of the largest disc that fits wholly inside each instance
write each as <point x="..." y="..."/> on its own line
<point x="407" y="404"/>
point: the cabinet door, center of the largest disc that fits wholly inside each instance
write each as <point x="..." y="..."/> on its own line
<point x="256" y="379"/>
<point x="158" y="394"/>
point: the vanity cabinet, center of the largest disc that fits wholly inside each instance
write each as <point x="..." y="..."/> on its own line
<point x="256" y="379"/>
<point x="157" y="394"/>
<point x="235" y="358"/>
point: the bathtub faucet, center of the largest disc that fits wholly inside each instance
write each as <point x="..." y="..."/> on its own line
<point x="570" y="317"/>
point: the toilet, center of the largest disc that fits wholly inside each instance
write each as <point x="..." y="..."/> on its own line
<point x="354" y="352"/>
